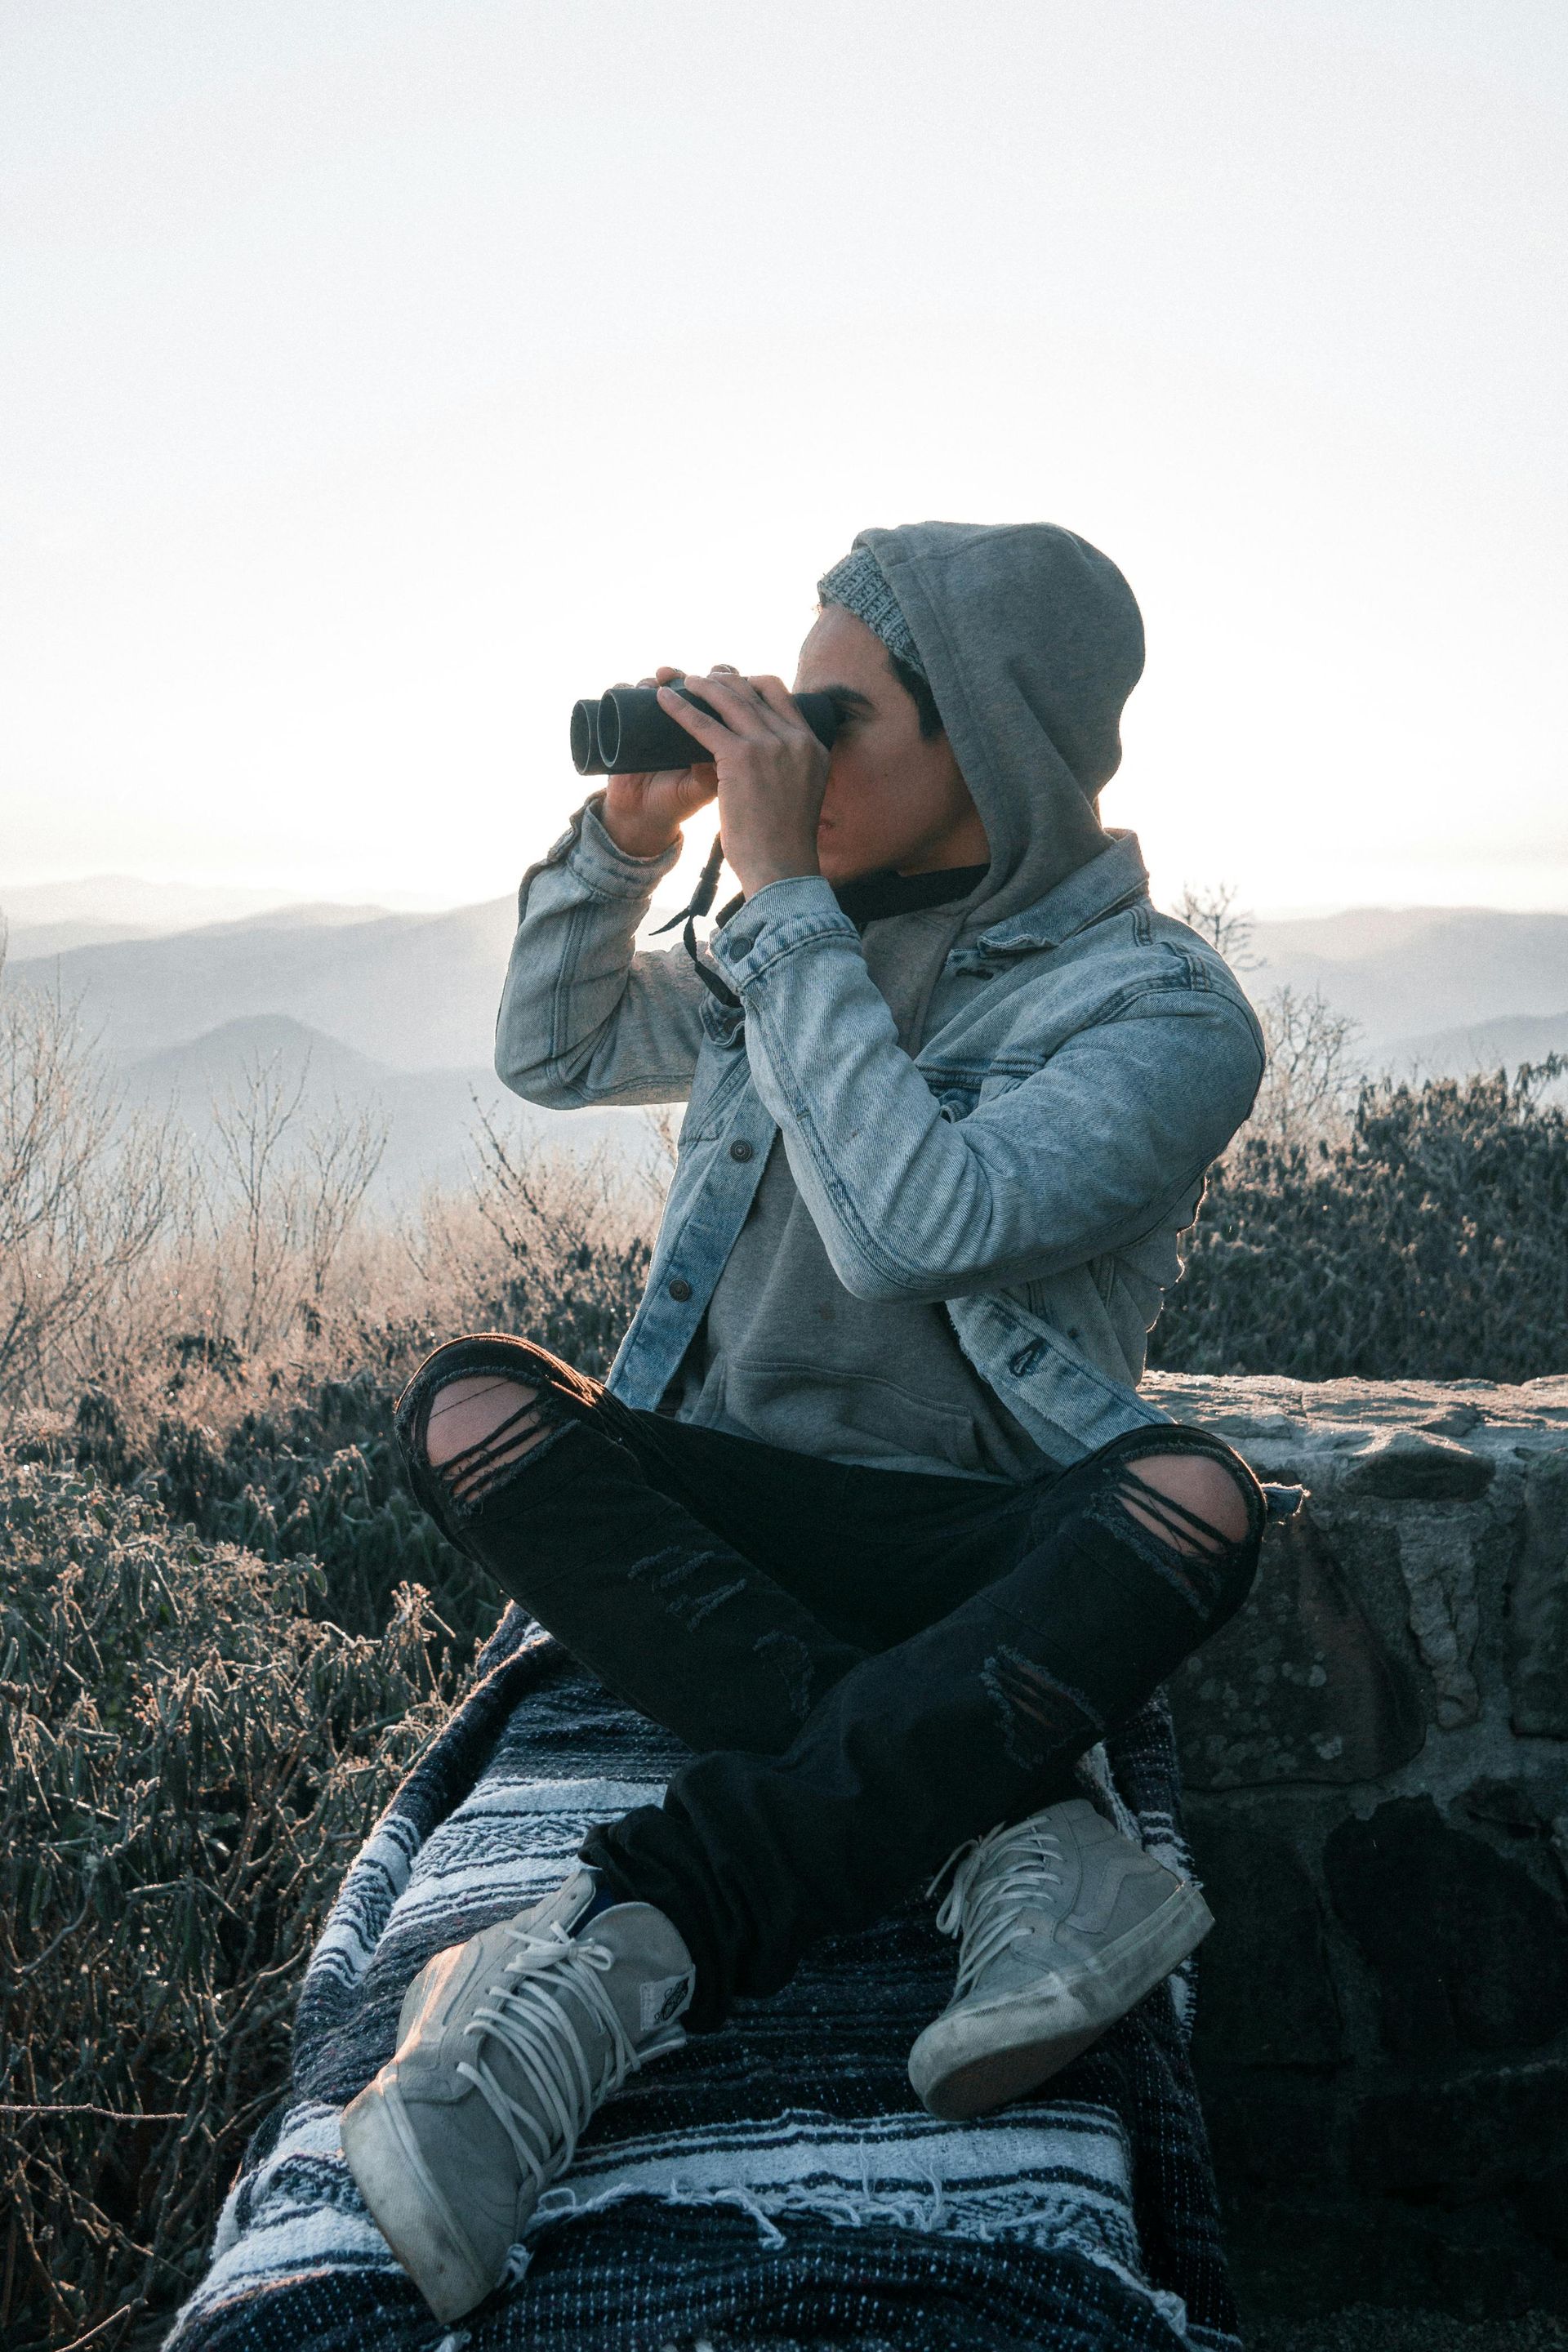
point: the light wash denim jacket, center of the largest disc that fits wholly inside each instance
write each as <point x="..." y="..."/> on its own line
<point x="1031" y="1167"/>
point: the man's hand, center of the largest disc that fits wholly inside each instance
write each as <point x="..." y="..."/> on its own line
<point x="771" y="772"/>
<point x="642" y="815"/>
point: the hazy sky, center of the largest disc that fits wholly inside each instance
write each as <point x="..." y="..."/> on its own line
<point x="379" y="375"/>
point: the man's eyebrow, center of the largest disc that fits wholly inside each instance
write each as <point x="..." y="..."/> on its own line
<point x="851" y="695"/>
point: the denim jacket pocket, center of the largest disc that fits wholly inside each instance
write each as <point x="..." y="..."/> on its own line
<point x="1069" y="1405"/>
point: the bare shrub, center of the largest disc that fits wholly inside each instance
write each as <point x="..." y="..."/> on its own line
<point x="1215" y="913"/>
<point x="1313" y="1077"/>
<point x="1314" y="1073"/>
<point x="575" y="1248"/>
<point x="285" y="1197"/>
<point x="1361" y="1225"/>
<point x="188" y="1761"/>
<point x="84" y="1196"/>
<point x="247" y="1378"/>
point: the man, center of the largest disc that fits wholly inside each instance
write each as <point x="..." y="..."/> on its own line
<point x="869" y="1512"/>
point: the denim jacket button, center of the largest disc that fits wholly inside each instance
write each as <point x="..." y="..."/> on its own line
<point x="680" y="1290"/>
<point x="741" y="1150"/>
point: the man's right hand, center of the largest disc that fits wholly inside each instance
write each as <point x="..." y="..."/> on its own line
<point x="642" y="815"/>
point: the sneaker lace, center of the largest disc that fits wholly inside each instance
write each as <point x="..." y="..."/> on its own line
<point x="529" y="2017"/>
<point x="995" y="1879"/>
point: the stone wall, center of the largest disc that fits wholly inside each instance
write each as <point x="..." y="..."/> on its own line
<point x="1376" y="1754"/>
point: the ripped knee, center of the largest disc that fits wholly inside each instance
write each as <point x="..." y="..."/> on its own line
<point x="1194" y="1500"/>
<point x="477" y="1428"/>
<point x="1194" y="1512"/>
<point x="477" y="1409"/>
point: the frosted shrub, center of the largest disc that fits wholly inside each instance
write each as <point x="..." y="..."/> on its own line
<point x="1427" y="1244"/>
<point x="189" y="1758"/>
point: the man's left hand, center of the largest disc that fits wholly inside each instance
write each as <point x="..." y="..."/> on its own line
<point x="772" y="772"/>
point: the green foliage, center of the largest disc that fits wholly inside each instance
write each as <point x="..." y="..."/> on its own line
<point x="189" y="1758"/>
<point x="1430" y="1242"/>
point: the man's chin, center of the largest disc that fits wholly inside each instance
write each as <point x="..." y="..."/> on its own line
<point x="838" y="865"/>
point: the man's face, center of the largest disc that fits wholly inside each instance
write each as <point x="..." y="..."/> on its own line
<point x="893" y="800"/>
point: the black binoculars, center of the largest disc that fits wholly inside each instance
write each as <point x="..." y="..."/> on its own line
<point x="628" y="731"/>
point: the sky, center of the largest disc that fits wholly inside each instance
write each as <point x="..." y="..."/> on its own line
<point x="378" y="376"/>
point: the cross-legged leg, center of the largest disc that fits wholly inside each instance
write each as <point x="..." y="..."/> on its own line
<point x="1129" y="1561"/>
<point x="831" y="1778"/>
<point x="536" y="1471"/>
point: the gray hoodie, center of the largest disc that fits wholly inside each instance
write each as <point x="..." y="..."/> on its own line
<point x="1032" y="640"/>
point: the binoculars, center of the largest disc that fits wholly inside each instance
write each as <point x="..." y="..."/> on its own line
<point x="627" y="731"/>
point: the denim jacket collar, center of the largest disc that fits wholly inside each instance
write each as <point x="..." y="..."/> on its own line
<point x="1108" y="881"/>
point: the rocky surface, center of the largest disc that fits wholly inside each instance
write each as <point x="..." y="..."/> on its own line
<point x="1376" y="1752"/>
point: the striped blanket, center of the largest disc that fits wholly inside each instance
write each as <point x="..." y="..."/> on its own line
<point x="773" y="2185"/>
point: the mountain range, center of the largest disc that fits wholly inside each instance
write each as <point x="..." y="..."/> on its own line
<point x="1426" y="977"/>
<point x="1489" y="1045"/>
<point x="430" y="1119"/>
<point x="366" y="1006"/>
<point x="417" y="991"/>
<point x="50" y="918"/>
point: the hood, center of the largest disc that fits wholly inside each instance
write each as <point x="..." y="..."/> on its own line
<point x="1032" y="641"/>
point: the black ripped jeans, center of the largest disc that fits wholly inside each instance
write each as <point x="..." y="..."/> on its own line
<point x="872" y="1664"/>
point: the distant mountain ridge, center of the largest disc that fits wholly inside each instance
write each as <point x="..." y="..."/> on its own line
<point x="129" y="906"/>
<point x="26" y="941"/>
<point x="419" y="991"/>
<point x="23" y="941"/>
<point x="399" y="1009"/>
<point x="431" y="1118"/>
<point x="51" y="919"/>
<point x="1414" y="973"/>
<point x="1489" y="1045"/>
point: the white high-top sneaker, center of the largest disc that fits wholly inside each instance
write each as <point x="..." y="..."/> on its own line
<point x="1066" y="1925"/>
<point x="506" y="2045"/>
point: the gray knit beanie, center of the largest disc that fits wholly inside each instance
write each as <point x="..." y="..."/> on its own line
<point x="859" y="584"/>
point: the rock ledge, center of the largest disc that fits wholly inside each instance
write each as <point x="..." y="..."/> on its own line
<point x="1376" y="1754"/>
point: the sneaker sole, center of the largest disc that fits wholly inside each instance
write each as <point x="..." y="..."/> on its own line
<point x="408" y="2208"/>
<point x="973" y="2059"/>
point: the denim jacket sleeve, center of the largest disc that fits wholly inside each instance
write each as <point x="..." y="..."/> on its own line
<point x="585" y="1018"/>
<point x="1084" y="1156"/>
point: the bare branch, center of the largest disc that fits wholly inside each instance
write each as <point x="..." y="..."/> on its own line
<point x="1314" y="1073"/>
<point x="1214" y="915"/>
